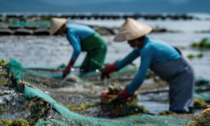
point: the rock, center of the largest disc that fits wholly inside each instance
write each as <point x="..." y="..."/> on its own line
<point x="14" y="27"/>
<point x="41" y="31"/>
<point x="5" y="31"/>
<point x="2" y="100"/>
<point x="31" y="27"/>
<point x="22" y="31"/>
<point x="72" y="78"/>
<point x="7" y="98"/>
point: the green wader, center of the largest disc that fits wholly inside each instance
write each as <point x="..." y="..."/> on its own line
<point x="96" y="49"/>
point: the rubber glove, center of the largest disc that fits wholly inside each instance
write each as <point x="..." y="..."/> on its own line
<point x="122" y="97"/>
<point x="68" y="68"/>
<point x="124" y="94"/>
<point x="108" y="69"/>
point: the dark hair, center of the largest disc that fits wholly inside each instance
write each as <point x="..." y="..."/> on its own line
<point x="60" y="28"/>
<point x="141" y="38"/>
<point x="64" y="25"/>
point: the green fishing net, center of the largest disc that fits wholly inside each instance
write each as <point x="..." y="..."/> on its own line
<point x="67" y="117"/>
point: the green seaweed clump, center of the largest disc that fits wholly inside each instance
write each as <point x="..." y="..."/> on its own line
<point x="5" y="122"/>
<point x="39" y="108"/>
<point x="202" y="119"/>
<point x="20" y="122"/>
<point x="3" y="63"/>
<point x="31" y="122"/>
<point x="204" y="43"/>
<point x="168" y="112"/>
<point x="2" y="110"/>
<point x="114" y="89"/>
<point x="81" y="107"/>
<point x="190" y="56"/>
<point x="131" y="109"/>
<point x="200" y="55"/>
<point x="200" y="103"/>
<point x="122" y="107"/>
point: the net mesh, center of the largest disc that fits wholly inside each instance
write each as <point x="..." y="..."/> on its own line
<point x="17" y="72"/>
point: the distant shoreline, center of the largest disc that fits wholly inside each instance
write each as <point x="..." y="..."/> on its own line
<point x="111" y="15"/>
<point x="163" y="16"/>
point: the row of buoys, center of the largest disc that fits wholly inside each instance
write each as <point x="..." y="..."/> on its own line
<point x="24" y="31"/>
<point x="106" y="16"/>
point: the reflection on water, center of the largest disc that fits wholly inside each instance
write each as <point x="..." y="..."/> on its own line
<point x="154" y="107"/>
<point x="155" y="103"/>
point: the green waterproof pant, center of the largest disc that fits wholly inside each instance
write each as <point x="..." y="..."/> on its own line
<point x="96" y="49"/>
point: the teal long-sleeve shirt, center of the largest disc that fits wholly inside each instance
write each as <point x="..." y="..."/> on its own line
<point x="75" y="34"/>
<point x="154" y="50"/>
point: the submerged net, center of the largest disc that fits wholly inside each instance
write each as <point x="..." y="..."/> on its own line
<point x="202" y="89"/>
<point x="17" y="72"/>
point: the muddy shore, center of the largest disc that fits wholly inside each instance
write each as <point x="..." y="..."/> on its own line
<point x="80" y="95"/>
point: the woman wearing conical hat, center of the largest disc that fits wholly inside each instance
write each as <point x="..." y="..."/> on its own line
<point x="161" y="58"/>
<point x="82" y="38"/>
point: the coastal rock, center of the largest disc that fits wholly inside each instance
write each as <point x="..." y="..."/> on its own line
<point x="41" y="31"/>
<point x="5" y="31"/>
<point x="23" y="31"/>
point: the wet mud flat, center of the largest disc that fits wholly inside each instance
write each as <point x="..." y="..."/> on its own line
<point x="80" y="95"/>
<point x="11" y="104"/>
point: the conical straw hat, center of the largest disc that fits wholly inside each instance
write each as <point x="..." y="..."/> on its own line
<point x="132" y="29"/>
<point x="56" y="24"/>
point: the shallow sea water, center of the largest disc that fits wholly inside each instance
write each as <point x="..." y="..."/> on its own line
<point x="53" y="51"/>
<point x="48" y="51"/>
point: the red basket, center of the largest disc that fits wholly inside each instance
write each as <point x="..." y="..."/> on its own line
<point x="106" y="106"/>
<point x="105" y="97"/>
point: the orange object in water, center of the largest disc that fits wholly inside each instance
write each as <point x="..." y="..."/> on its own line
<point x="206" y="110"/>
<point x="106" y="97"/>
<point x="107" y="106"/>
